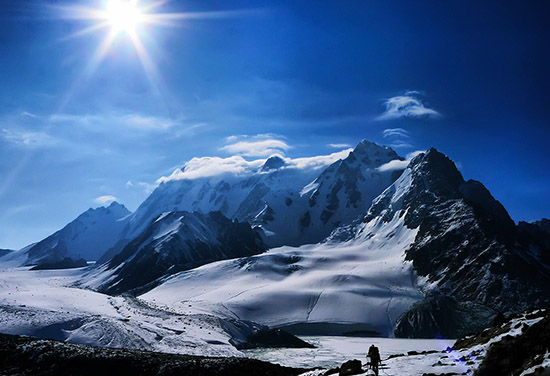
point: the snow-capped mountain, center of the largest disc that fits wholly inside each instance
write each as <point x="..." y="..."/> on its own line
<point x="337" y="196"/>
<point x="294" y="205"/>
<point x="87" y="237"/>
<point x="434" y="255"/>
<point x="474" y="259"/>
<point x="176" y="241"/>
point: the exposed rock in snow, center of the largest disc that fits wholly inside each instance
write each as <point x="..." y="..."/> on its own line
<point x="4" y="252"/>
<point x="517" y="346"/>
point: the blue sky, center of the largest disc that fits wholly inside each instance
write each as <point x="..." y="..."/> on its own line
<point x="304" y="78"/>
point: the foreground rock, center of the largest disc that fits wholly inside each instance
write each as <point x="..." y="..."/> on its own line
<point x="66" y="263"/>
<point x="517" y="346"/>
<point x="30" y="356"/>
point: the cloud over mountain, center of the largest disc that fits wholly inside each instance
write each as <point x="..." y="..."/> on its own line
<point x="236" y="165"/>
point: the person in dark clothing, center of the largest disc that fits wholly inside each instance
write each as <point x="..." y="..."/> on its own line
<point x="374" y="356"/>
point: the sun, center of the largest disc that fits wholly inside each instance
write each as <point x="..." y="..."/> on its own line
<point x="123" y="15"/>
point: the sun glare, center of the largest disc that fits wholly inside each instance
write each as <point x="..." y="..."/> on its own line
<point x="133" y="19"/>
<point x="123" y="15"/>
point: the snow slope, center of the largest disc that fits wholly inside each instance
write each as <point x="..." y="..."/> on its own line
<point x="364" y="281"/>
<point x="45" y="304"/>
<point x="430" y="238"/>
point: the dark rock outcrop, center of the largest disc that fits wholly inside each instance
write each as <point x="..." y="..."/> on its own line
<point x="468" y="247"/>
<point x="517" y="343"/>
<point x="513" y="355"/>
<point x="351" y="367"/>
<point x="29" y="356"/>
<point x="66" y="263"/>
<point x="272" y="338"/>
<point x="273" y="163"/>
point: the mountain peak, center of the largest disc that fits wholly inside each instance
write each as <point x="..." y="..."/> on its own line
<point x="438" y="169"/>
<point x="115" y="204"/>
<point x="273" y="163"/>
<point x="366" y="146"/>
<point x="116" y="208"/>
<point x="372" y="154"/>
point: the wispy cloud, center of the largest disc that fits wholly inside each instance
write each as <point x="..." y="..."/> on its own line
<point x="147" y="187"/>
<point x="134" y="121"/>
<point x="236" y="165"/>
<point x="409" y="104"/>
<point x="27" y="138"/>
<point x="26" y="114"/>
<point x="397" y="137"/>
<point x="399" y="165"/>
<point x="339" y="146"/>
<point x="261" y="145"/>
<point x="395" y="132"/>
<point x="102" y="200"/>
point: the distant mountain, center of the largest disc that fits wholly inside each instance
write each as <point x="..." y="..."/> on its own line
<point x="87" y="237"/>
<point x="173" y="242"/>
<point x="4" y="252"/>
<point x="293" y="204"/>
<point x="434" y="255"/>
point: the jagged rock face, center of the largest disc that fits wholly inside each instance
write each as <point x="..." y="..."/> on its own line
<point x="179" y="241"/>
<point x="345" y="190"/>
<point x="440" y="315"/>
<point x="514" y="345"/>
<point x="516" y="355"/>
<point x="466" y="246"/>
<point x="87" y="237"/>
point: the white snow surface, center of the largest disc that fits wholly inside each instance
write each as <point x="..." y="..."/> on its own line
<point x="43" y="304"/>
<point x="364" y="281"/>
<point x="332" y="351"/>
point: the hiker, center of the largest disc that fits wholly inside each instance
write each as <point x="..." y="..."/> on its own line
<point x="374" y="356"/>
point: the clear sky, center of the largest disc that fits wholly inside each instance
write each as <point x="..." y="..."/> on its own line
<point x="79" y="123"/>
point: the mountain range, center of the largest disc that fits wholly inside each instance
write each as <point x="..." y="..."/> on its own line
<point x="369" y="244"/>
